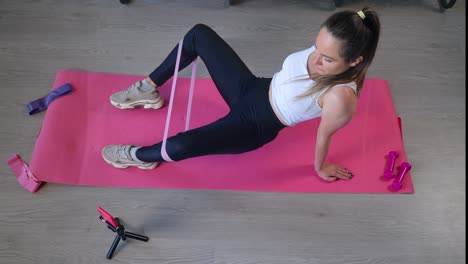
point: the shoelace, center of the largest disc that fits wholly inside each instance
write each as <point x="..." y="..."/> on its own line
<point x="123" y="155"/>
<point x="133" y="87"/>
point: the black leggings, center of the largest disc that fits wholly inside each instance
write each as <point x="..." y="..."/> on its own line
<point x="250" y="123"/>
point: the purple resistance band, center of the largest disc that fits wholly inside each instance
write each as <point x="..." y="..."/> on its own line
<point x="41" y="104"/>
<point x="164" y="154"/>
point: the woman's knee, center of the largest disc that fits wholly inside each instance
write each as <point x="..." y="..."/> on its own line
<point x="201" y="29"/>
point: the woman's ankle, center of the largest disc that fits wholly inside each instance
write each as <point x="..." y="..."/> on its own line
<point x="151" y="82"/>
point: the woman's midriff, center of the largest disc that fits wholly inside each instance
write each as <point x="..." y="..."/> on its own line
<point x="270" y="97"/>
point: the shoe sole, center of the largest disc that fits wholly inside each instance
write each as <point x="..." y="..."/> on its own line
<point x="154" y="104"/>
<point x="123" y="166"/>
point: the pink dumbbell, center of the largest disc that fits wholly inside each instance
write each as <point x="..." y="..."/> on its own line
<point x="404" y="167"/>
<point x="388" y="174"/>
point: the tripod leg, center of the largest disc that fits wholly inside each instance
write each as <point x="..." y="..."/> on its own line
<point x="113" y="247"/>
<point x="136" y="236"/>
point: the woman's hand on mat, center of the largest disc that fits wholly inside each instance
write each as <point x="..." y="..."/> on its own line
<point x="332" y="172"/>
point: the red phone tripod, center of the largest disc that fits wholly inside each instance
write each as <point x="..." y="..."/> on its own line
<point x="113" y="223"/>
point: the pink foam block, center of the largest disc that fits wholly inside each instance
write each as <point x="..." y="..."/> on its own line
<point x="78" y="126"/>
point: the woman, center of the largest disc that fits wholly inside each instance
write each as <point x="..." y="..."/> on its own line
<point x="323" y="80"/>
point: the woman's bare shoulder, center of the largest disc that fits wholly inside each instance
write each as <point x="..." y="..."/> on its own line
<point x="343" y="97"/>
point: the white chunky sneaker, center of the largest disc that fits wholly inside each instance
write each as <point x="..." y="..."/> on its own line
<point x="133" y="97"/>
<point x="119" y="157"/>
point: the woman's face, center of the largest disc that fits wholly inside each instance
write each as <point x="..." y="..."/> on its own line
<point x="326" y="59"/>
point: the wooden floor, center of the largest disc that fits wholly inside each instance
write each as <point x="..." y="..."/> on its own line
<point x="421" y="54"/>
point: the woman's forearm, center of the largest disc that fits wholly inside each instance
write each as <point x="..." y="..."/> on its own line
<point x="321" y="150"/>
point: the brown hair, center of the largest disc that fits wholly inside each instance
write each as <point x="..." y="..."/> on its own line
<point x="359" y="38"/>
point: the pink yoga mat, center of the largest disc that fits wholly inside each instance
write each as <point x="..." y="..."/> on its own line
<point x="79" y="125"/>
